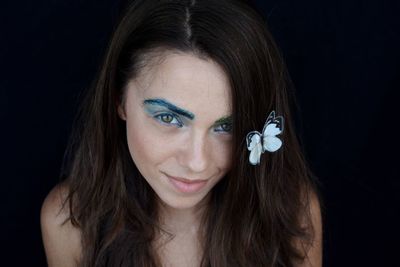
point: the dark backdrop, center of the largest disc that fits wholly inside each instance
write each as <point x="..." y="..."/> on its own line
<point x="343" y="57"/>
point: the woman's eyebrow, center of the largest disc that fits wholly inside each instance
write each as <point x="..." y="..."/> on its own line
<point x="223" y="120"/>
<point x="164" y="103"/>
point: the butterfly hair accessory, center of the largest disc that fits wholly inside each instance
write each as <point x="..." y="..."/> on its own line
<point x="258" y="143"/>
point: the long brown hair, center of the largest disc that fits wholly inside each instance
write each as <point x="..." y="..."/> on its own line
<point x="255" y="212"/>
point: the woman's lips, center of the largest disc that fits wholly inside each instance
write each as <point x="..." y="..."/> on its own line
<point x="185" y="185"/>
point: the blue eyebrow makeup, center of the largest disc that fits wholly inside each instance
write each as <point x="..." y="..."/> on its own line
<point x="164" y="103"/>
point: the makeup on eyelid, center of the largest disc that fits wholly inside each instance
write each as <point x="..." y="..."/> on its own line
<point x="159" y="113"/>
<point x="164" y="103"/>
<point x="158" y="107"/>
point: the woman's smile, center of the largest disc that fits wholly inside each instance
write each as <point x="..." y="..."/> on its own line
<point x="187" y="185"/>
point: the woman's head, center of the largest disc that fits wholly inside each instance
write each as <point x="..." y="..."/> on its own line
<point x="239" y="54"/>
<point x="177" y="112"/>
<point x="215" y="62"/>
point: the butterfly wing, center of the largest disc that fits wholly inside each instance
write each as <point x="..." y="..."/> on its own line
<point x="253" y="140"/>
<point x="271" y="143"/>
<point x="273" y="126"/>
<point x="255" y="154"/>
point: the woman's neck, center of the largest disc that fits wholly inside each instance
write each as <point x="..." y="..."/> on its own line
<point x="184" y="247"/>
<point x="182" y="221"/>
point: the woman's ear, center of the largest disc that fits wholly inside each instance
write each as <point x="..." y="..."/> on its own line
<point x="121" y="111"/>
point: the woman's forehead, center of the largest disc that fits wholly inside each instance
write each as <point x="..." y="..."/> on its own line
<point x="195" y="84"/>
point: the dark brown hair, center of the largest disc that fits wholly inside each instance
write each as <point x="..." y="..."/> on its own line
<point x="255" y="212"/>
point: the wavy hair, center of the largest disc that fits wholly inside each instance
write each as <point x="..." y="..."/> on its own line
<point x="255" y="212"/>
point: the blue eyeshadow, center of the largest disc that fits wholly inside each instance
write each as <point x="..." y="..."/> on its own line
<point x="164" y="103"/>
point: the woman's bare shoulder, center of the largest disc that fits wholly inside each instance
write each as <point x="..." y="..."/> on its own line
<point x="313" y="255"/>
<point x="62" y="240"/>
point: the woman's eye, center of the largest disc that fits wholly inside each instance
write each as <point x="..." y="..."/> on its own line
<point x="225" y="127"/>
<point x="169" y="119"/>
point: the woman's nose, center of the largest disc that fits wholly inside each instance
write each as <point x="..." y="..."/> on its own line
<point x="196" y="156"/>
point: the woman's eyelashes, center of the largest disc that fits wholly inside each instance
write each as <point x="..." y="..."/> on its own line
<point x="224" y="125"/>
<point x="165" y="112"/>
<point x="224" y="128"/>
<point x="169" y="119"/>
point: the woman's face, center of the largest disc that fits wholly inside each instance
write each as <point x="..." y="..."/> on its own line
<point x="178" y="118"/>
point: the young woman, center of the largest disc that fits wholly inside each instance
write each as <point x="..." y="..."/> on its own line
<point x="185" y="152"/>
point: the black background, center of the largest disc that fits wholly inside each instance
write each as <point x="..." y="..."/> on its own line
<point x="343" y="57"/>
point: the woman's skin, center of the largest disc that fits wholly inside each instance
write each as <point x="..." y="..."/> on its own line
<point x="190" y="145"/>
<point x="62" y="242"/>
<point x="177" y="115"/>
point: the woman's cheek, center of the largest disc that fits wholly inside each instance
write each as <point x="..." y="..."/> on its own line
<point x="148" y="144"/>
<point x="222" y="149"/>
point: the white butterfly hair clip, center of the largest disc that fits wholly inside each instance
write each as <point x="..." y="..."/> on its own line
<point x="258" y="143"/>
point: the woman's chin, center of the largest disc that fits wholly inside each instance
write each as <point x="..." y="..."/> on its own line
<point x="182" y="203"/>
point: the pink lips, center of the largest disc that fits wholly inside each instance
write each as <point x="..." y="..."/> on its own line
<point x="185" y="185"/>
